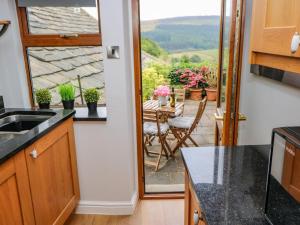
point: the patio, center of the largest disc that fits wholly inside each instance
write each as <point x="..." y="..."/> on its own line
<point x="170" y="176"/>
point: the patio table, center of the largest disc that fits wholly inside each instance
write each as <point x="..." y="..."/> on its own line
<point x="154" y="105"/>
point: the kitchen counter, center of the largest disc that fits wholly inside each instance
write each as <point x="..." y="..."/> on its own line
<point x="12" y="143"/>
<point x="230" y="183"/>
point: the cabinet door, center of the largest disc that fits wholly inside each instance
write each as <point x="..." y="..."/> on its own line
<point x="53" y="178"/>
<point x="274" y="23"/>
<point x="291" y="171"/>
<point x="193" y="214"/>
<point x="15" y="199"/>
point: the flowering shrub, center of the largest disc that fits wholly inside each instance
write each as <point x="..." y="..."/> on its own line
<point x="162" y="91"/>
<point x="195" y="78"/>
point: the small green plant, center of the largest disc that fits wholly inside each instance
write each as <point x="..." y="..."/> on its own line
<point x="67" y="92"/>
<point x="91" y="95"/>
<point x="43" y="96"/>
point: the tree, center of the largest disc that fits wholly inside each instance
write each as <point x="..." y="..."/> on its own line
<point x="152" y="48"/>
<point x="195" y="59"/>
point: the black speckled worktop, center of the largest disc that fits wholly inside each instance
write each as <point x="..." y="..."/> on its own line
<point x="230" y="183"/>
<point x="11" y="143"/>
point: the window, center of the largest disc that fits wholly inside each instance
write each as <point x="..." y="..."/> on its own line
<point x="62" y="45"/>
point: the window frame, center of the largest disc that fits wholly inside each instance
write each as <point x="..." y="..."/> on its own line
<point x="50" y="40"/>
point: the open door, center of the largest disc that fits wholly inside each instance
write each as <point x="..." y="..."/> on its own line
<point x="230" y="60"/>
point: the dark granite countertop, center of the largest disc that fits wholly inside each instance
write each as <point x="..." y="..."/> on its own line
<point x="230" y="183"/>
<point x="11" y="143"/>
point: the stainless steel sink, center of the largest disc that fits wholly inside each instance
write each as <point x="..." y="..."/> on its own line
<point x="20" y="122"/>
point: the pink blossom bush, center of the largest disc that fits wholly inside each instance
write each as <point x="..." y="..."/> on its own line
<point x="162" y="91"/>
<point x="195" y="78"/>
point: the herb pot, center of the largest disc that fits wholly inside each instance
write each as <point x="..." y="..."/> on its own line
<point x="68" y="104"/>
<point x="92" y="106"/>
<point x="44" y="105"/>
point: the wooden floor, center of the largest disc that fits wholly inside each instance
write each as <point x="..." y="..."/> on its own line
<point x="148" y="212"/>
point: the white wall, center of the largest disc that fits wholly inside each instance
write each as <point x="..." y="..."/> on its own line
<point x="266" y="103"/>
<point x="13" y="81"/>
<point x="106" y="151"/>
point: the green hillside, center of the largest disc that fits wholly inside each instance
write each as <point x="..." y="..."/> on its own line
<point x="183" y="33"/>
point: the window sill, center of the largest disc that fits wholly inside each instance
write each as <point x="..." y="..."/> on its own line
<point x="82" y="114"/>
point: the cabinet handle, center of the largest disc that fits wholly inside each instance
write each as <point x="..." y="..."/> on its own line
<point x="197" y="217"/>
<point x="295" y="43"/>
<point x="34" y="154"/>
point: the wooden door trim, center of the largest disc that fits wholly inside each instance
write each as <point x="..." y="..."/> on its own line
<point x="230" y="127"/>
<point x="239" y="72"/>
<point x="138" y="94"/>
<point x="217" y="133"/>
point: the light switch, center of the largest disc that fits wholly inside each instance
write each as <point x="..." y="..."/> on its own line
<point x="113" y="52"/>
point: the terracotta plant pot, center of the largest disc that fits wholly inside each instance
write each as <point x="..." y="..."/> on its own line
<point x="211" y="94"/>
<point x="68" y="104"/>
<point x="44" y="105"/>
<point x="195" y="94"/>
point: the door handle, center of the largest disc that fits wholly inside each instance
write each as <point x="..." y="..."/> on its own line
<point x="295" y="43"/>
<point x="242" y="117"/>
<point x="218" y="117"/>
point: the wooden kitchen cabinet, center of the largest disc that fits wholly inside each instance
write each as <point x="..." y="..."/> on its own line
<point x="15" y="199"/>
<point x="291" y="171"/>
<point x="274" y="23"/>
<point x="52" y="171"/>
<point x="192" y="212"/>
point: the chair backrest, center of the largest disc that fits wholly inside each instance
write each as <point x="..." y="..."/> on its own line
<point x="155" y="116"/>
<point x="201" y="108"/>
<point x="180" y="95"/>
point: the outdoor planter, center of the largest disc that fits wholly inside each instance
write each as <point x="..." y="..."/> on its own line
<point x="68" y="104"/>
<point x="92" y="106"/>
<point x="44" y="105"/>
<point x="211" y="94"/>
<point x="195" y="94"/>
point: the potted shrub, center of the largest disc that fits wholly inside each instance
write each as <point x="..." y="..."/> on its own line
<point x="91" y="97"/>
<point x="43" y="98"/>
<point x="67" y="94"/>
<point x="195" y="81"/>
<point x="211" y="91"/>
<point x="162" y="92"/>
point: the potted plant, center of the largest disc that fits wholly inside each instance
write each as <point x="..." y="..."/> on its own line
<point x="91" y="97"/>
<point x="211" y="91"/>
<point x="43" y="98"/>
<point x="195" y="81"/>
<point x="162" y="92"/>
<point x="67" y="94"/>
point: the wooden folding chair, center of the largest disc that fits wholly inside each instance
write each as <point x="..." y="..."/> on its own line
<point x="180" y="97"/>
<point x="155" y="125"/>
<point x="183" y="127"/>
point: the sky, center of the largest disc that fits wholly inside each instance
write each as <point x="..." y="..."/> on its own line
<point x="158" y="9"/>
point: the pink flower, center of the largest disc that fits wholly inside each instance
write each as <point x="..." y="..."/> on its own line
<point x="162" y="91"/>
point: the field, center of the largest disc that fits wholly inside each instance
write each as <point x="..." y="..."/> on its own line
<point x="210" y="55"/>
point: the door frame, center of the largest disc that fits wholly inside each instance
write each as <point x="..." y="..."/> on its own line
<point x="135" y="7"/>
<point x="230" y="126"/>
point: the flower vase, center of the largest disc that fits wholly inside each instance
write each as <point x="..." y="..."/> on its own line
<point x="163" y="100"/>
